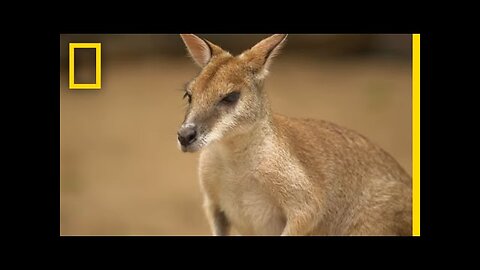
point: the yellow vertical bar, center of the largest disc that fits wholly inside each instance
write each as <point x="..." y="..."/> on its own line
<point x="416" y="134"/>
<point x="98" y="65"/>
<point x="71" y="59"/>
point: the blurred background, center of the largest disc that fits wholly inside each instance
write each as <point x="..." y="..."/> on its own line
<point x="120" y="170"/>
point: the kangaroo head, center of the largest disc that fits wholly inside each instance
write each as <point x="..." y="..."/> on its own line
<point x="226" y="98"/>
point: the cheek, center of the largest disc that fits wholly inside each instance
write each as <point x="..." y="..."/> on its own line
<point x="235" y="116"/>
<point x="220" y="121"/>
<point x="222" y="118"/>
<point x="209" y="121"/>
<point x="242" y="111"/>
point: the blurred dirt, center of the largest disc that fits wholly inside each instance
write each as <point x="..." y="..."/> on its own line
<point x="122" y="174"/>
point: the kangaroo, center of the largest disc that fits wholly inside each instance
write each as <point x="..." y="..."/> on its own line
<point x="263" y="173"/>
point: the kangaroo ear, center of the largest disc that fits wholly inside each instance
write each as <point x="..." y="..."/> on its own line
<point x="200" y="50"/>
<point x="260" y="56"/>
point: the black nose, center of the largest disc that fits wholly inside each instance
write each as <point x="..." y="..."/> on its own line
<point x="187" y="135"/>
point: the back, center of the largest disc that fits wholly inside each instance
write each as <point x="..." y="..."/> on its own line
<point x="366" y="190"/>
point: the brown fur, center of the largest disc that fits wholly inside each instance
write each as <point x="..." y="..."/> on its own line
<point x="265" y="173"/>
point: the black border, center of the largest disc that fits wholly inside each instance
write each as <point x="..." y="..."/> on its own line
<point x="47" y="118"/>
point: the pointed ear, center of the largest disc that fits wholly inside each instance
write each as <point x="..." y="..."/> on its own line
<point x="260" y="56"/>
<point x="200" y="50"/>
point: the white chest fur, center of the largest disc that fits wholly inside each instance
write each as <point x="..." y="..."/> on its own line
<point x="239" y="183"/>
<point x="249" y="208"/>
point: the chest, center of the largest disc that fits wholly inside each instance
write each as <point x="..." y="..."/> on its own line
<point x="248" y="204"/>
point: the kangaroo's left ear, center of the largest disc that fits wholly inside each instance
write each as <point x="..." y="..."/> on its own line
<point x="201" y="50"/>
<point x="260" y="56"/>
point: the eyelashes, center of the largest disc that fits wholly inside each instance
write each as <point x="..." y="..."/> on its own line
<point x="188" y="96"/>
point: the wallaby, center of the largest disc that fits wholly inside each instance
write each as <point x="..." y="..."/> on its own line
<point x="267" y="174"/>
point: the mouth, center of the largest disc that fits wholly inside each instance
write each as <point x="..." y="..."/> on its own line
<point x="193" y="147"/>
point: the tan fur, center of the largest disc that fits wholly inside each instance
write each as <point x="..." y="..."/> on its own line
<point x="268" y="174"/>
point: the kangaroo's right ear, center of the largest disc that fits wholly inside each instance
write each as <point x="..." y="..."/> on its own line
<point x="260" y="56"/>
<point x="200" y="50"/>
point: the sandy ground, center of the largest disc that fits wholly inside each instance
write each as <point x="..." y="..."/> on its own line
<point x="122" y="174"/>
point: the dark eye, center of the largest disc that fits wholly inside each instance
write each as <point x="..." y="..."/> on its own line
<point x="187" y="95"/>
<point x="230" y="98"/>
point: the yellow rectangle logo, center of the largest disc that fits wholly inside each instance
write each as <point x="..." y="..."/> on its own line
<point x="98" y="66"/>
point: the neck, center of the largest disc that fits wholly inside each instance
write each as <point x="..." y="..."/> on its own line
<point x="251" y="138"/>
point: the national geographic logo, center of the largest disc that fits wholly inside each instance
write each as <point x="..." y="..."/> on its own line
<point x="97" y="85"/>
